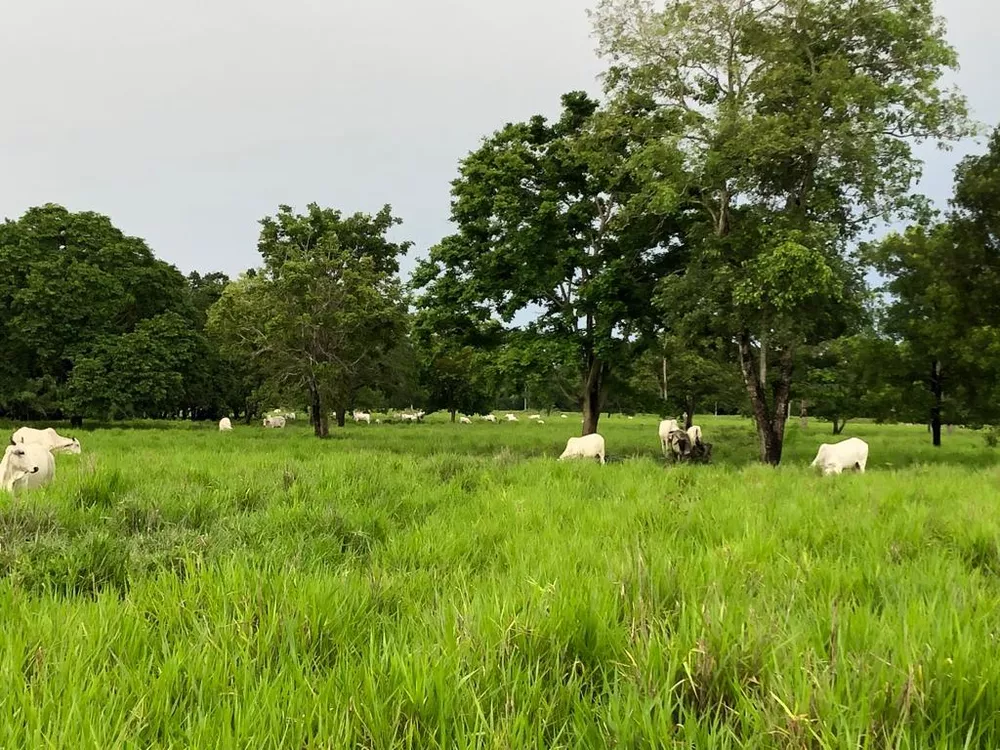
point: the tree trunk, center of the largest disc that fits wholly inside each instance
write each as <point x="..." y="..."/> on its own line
<point x="341" y="417"/>
<point x="936" y="408"/>
<point x="689" y="414"/>
<point x="592" y="391"/>
<point x="769" y="418"/>
<point x="453" y="412"/>
<point x="664" y="383"/>
<point x="839" y="425"/>
<point x="316" y="414"/>
<point x="803" y="414"/>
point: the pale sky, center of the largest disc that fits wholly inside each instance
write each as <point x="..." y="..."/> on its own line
<point x="188" y="121"/>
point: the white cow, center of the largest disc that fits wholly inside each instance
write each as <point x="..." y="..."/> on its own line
<point x="511" y="417"/>
<point x="848" y="454"/>
<point x="48" y="438"/>
<point x="274" y="422"/>
<point x="535" y="416"/>
<point x="362" y="416"/>
<point x="290" y="415"/>
<point x="666" y="427"/>
<point x="540" y="421"/>
<point x="694" y="433"/>
<point x="588" y="446"/>
<point x="490" y="418"/>
<point x="225" y="424"/>
<point x="465" y="420"/>
<point x="25" y="466"/>
<point x="564" y="416"/>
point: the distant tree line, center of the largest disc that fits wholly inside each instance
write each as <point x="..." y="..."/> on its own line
<point x="691" y="244"/>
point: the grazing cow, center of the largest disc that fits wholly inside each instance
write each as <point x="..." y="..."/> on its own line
<point x="225" y="425"/>
<point x="511" y="417"/>
<point x="25" y="466"/>
<point x="48" y="438"/>
<point x="290" y="415"/>
<point x="540" y="421"/>
<point x="362" y="416"/>
<point x="588" y="446"/>
<point x="848" y="454"/>
<point x="564" y="416"/>
<point x="490" y="418"/>
<point x="535" y="416"/>
<point x="694" y="433"/>
<point x="465" y="420"/>
<point x="679" y="445"/>
<point x="76" y="422"/>
<point x="276" y="423"/>
<point x="666" y="427"/>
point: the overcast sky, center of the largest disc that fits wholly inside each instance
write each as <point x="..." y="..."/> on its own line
<point x="188" y="121"/>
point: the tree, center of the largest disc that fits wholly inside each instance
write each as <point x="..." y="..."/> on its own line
<point x="320" y="315"/>
<point x="549" y="216"/>
<point x="72" y="284"/>
<point x="454" y="339"/>
<point x="943" y="277"/>
<point x="796" y="119"/>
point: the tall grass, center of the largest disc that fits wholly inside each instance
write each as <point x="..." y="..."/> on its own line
<point x="449" y="586"/>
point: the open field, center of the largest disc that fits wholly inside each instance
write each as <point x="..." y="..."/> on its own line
<point x="446" y="586"/>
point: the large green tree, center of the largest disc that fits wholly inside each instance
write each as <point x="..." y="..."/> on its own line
<point x="321" y="314"/>
<point x="551" y="221"/>
<point x="944" y="295"/>
<point x="75" y="288"/>
<point x="796" y="124"/>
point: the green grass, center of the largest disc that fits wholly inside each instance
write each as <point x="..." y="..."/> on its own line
<point x="446" y="586"/>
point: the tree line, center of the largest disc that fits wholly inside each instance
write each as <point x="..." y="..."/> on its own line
<point x="693" y="242"/>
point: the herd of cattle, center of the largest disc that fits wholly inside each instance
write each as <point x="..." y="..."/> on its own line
<point x="28" y="461"/>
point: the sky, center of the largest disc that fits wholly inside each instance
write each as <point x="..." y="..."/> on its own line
<point x="187" y="122"/>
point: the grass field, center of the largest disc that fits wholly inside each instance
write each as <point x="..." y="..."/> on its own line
<point x="447" y="586"/>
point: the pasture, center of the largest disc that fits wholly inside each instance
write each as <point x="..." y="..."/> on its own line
<point x="449" y="586"/>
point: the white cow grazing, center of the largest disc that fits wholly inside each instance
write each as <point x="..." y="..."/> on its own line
<point x="274" y="422"/>
<point x="290" y="415"/>
<point x="465" y="420"/>
<point x="848" y="454"/>
<point x="540" y="421"/>
<point x="490" y="418"/>
<point x="564" y="416"/>
<point x="511" y="417"/>
<point x="362" y="416"/>
<point x="225" y="424"/>
<point x="694" y="433"/>
<point x="48" y="438"/>
<point x="535" y="416"/>
<point x="666" y="427"/>
<point x="588" y="446"/>
<point x="25" y="466"/>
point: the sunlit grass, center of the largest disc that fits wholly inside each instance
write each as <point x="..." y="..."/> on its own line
<point x="442" y="585"/>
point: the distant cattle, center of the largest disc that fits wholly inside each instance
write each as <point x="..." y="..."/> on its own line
<point x="850" y="454"/>
<point x="678" y="445"/>
<point x="48" y="438"/>
<point x="275" y="423"/>
<point x="667" y="426"/>
<point x="25" y="466"/>
<point x="535" y="416"/>
<point x="412" y="416"/>
<point x="465" y="420"/>
<point x="225" y="425"/>
<point x="694" y="433"/>
<point x="362" y="416"/>
<point x="511" y="418"/>
<point x="588" y="446"/>
<point x="490" y="418"/>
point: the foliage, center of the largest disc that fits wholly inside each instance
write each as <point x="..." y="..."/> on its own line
<point x="550" y="217"/>
<point x="320" y="316"/>
<point x="795" y="121"/>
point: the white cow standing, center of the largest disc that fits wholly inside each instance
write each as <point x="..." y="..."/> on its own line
<point x="666" y="427"/>
<point x="464" y="420"/>
<point x="490" y="418"/>
<point x="588" y="446"/>
<point x="48" y="438"/>
<point x="694" y="433"/>
<point x="26" y="466"/>
<point x="362" y="416"/>
<point x="276" y="423"/>
<point x="511" y="417"/>
<point x="848" y="454"/>
<point x="225" y="425"/>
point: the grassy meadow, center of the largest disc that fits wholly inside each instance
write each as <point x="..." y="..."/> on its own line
<point x="449" y="586"/>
